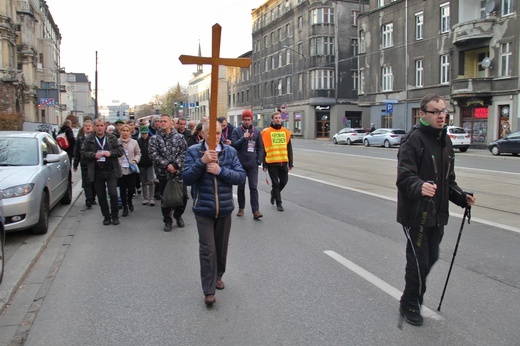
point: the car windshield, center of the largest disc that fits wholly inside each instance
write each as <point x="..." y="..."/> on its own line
<point x="18" y="151"/>
<point x="360" y="131"/>
<point x="399" y="132"/>
<point x="457" y="130"/>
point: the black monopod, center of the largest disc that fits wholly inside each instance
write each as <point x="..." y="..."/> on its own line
<point x="467" y="213"/>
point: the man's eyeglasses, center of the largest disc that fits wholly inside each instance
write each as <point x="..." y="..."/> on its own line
<point x="437" y="113"/>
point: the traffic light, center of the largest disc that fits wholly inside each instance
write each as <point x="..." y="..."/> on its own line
<point x="175" y="104"/>
<point x="182" y="104"/>
<point x="197" y="104"/>
<point x="118" y="114"/>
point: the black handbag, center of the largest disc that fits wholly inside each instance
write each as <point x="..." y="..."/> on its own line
<point x="173" y="194"/>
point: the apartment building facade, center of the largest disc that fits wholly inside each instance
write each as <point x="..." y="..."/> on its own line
<point x="305" y="65"/>
<point x="467" y="51"/>
<point x="29" y="66"/>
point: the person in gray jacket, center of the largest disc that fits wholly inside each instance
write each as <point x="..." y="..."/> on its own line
<point x="212" y="174"/>
<point x="247" y="141"/>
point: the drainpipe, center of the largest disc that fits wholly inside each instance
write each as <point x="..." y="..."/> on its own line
<point x="406" y="68"/>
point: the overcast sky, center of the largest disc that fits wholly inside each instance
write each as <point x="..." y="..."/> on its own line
<point x="139" y="43"/>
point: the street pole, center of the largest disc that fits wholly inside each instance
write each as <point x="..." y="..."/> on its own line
<point x="96" y="91"/>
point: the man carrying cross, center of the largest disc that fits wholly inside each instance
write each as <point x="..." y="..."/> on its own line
<point x="212" y="168"/>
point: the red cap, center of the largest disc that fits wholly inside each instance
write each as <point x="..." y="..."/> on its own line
<point x="247" y="114"/>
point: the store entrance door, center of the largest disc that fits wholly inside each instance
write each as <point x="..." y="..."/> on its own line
<point x="322" y="125"/>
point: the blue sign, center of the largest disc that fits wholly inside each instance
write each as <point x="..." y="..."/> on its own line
<point x="389" y="107"/>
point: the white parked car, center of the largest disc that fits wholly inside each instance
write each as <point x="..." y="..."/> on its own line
<point x="384" y="137"/>
<point x="348" y="136"/>
<point x="35" y="175"/>
<point x="459" y="138"/>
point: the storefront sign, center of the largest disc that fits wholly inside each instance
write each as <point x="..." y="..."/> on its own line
<point x="322" y="108"/>
<point x="481" y="113"/>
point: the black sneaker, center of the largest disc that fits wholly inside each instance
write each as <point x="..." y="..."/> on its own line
<point x="279" y="207"/>
<point x="272" y="198"/>
<point x="411" y="316"/>
<point x="115" y="221"/>
<point x="167" y="227"/>
<point x="88" y="203"/>
<point x="180" y="222"/>
<point x="107" y="221"/>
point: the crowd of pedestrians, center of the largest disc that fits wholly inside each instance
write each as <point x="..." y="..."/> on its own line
<point x="121" y="160"/>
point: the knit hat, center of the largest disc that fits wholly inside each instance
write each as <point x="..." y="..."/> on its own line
<point x="119" y="121"/>
<point x="156" y="118"/>
<point x="247" y="114"/>
<point x="143" y="129"/>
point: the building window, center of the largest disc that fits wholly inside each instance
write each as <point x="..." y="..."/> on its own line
<point x="265" y="41"/>
<point x="354" y="43"/>
<point x="280" y="37"/>
<point x="272" y="38"/>
<point x="322" y="46"/>
<point x="355" y="80"/>
<point x="322" y="79"/>
<point x="266" y="90"/>
<point x="266" y="64"/>
<point x="280" y="87"/>
<point x="300" y="50"/>
<point x="280" y="64"/>
<point x="419" y="26"/>
<point x="362" y="47"/>
<point x="388" y="79"/>
<point x="419" y="73"/>
<point x="300" y="82"/>
<point x="505" y="59"/>
<point x="288" y="85"/>
<point x="273" y="62"/>
<point x="322" y="16"/>
<point x="361" y="81"/>
<point x="288" y="30"/>
<point x="387" y="35"/>
<point x="300" y="23"/>
<point x="355" y="14"/>
<point x="507" y="7"/>
<point x="445" y="68"/>
<point x="445" y="18"/>
<point x="288" y="56"/>
<point x="380" y="3"/>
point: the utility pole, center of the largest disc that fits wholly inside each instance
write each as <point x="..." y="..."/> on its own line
<point x="96" y="92"/>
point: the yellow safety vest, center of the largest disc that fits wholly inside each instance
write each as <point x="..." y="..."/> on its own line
<point x="275" y="144"/>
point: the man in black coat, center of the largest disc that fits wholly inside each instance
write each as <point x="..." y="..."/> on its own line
<point x="426" y="184"/>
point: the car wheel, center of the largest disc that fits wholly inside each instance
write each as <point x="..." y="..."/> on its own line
<point x="515" y="154"/>
<point x="2" y="240"/>
<point x="67" y="197"/>
<point x="387" y="144"/>
<point x="463" y="150"/>
<point x="495" y="150"/>
<point x="43" y="222"/>
<point x="365" y="142"/>
<point x="349" y="142"/>
<point x="334" y="141"/>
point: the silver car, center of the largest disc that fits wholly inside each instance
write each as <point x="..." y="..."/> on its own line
<point x="35" y="174"/>
<point x="384" y="137"/>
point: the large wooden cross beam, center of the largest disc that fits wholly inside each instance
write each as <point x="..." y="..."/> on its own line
<point x="215" y="61"/>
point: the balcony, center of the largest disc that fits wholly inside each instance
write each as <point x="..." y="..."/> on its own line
<point x="471" y="87"/>
<point x="23" y="6"/>
<point x="473" y="30"/>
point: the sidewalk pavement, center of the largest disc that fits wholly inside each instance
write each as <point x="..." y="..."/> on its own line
<point x="21" y="262"/>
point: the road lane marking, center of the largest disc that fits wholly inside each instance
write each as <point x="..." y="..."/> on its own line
<point x="382" y="285"/>
<point x="393" y="199"/>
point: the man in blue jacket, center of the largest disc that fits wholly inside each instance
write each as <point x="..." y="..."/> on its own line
<point x="212" y="174"/>
<point x="247" y="141"/>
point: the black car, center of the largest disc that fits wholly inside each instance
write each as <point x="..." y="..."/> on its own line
<point x="509" y="144"/>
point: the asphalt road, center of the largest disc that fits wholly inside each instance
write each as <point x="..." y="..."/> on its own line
<point x="326" y="271"/>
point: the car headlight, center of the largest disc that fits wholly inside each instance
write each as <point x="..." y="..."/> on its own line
<point x="17" y="191"/>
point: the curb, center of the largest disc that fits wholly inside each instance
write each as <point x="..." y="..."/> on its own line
<point x="23" y="260"/>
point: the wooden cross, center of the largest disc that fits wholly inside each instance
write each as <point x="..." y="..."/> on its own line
<point x="215" y="60"/>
